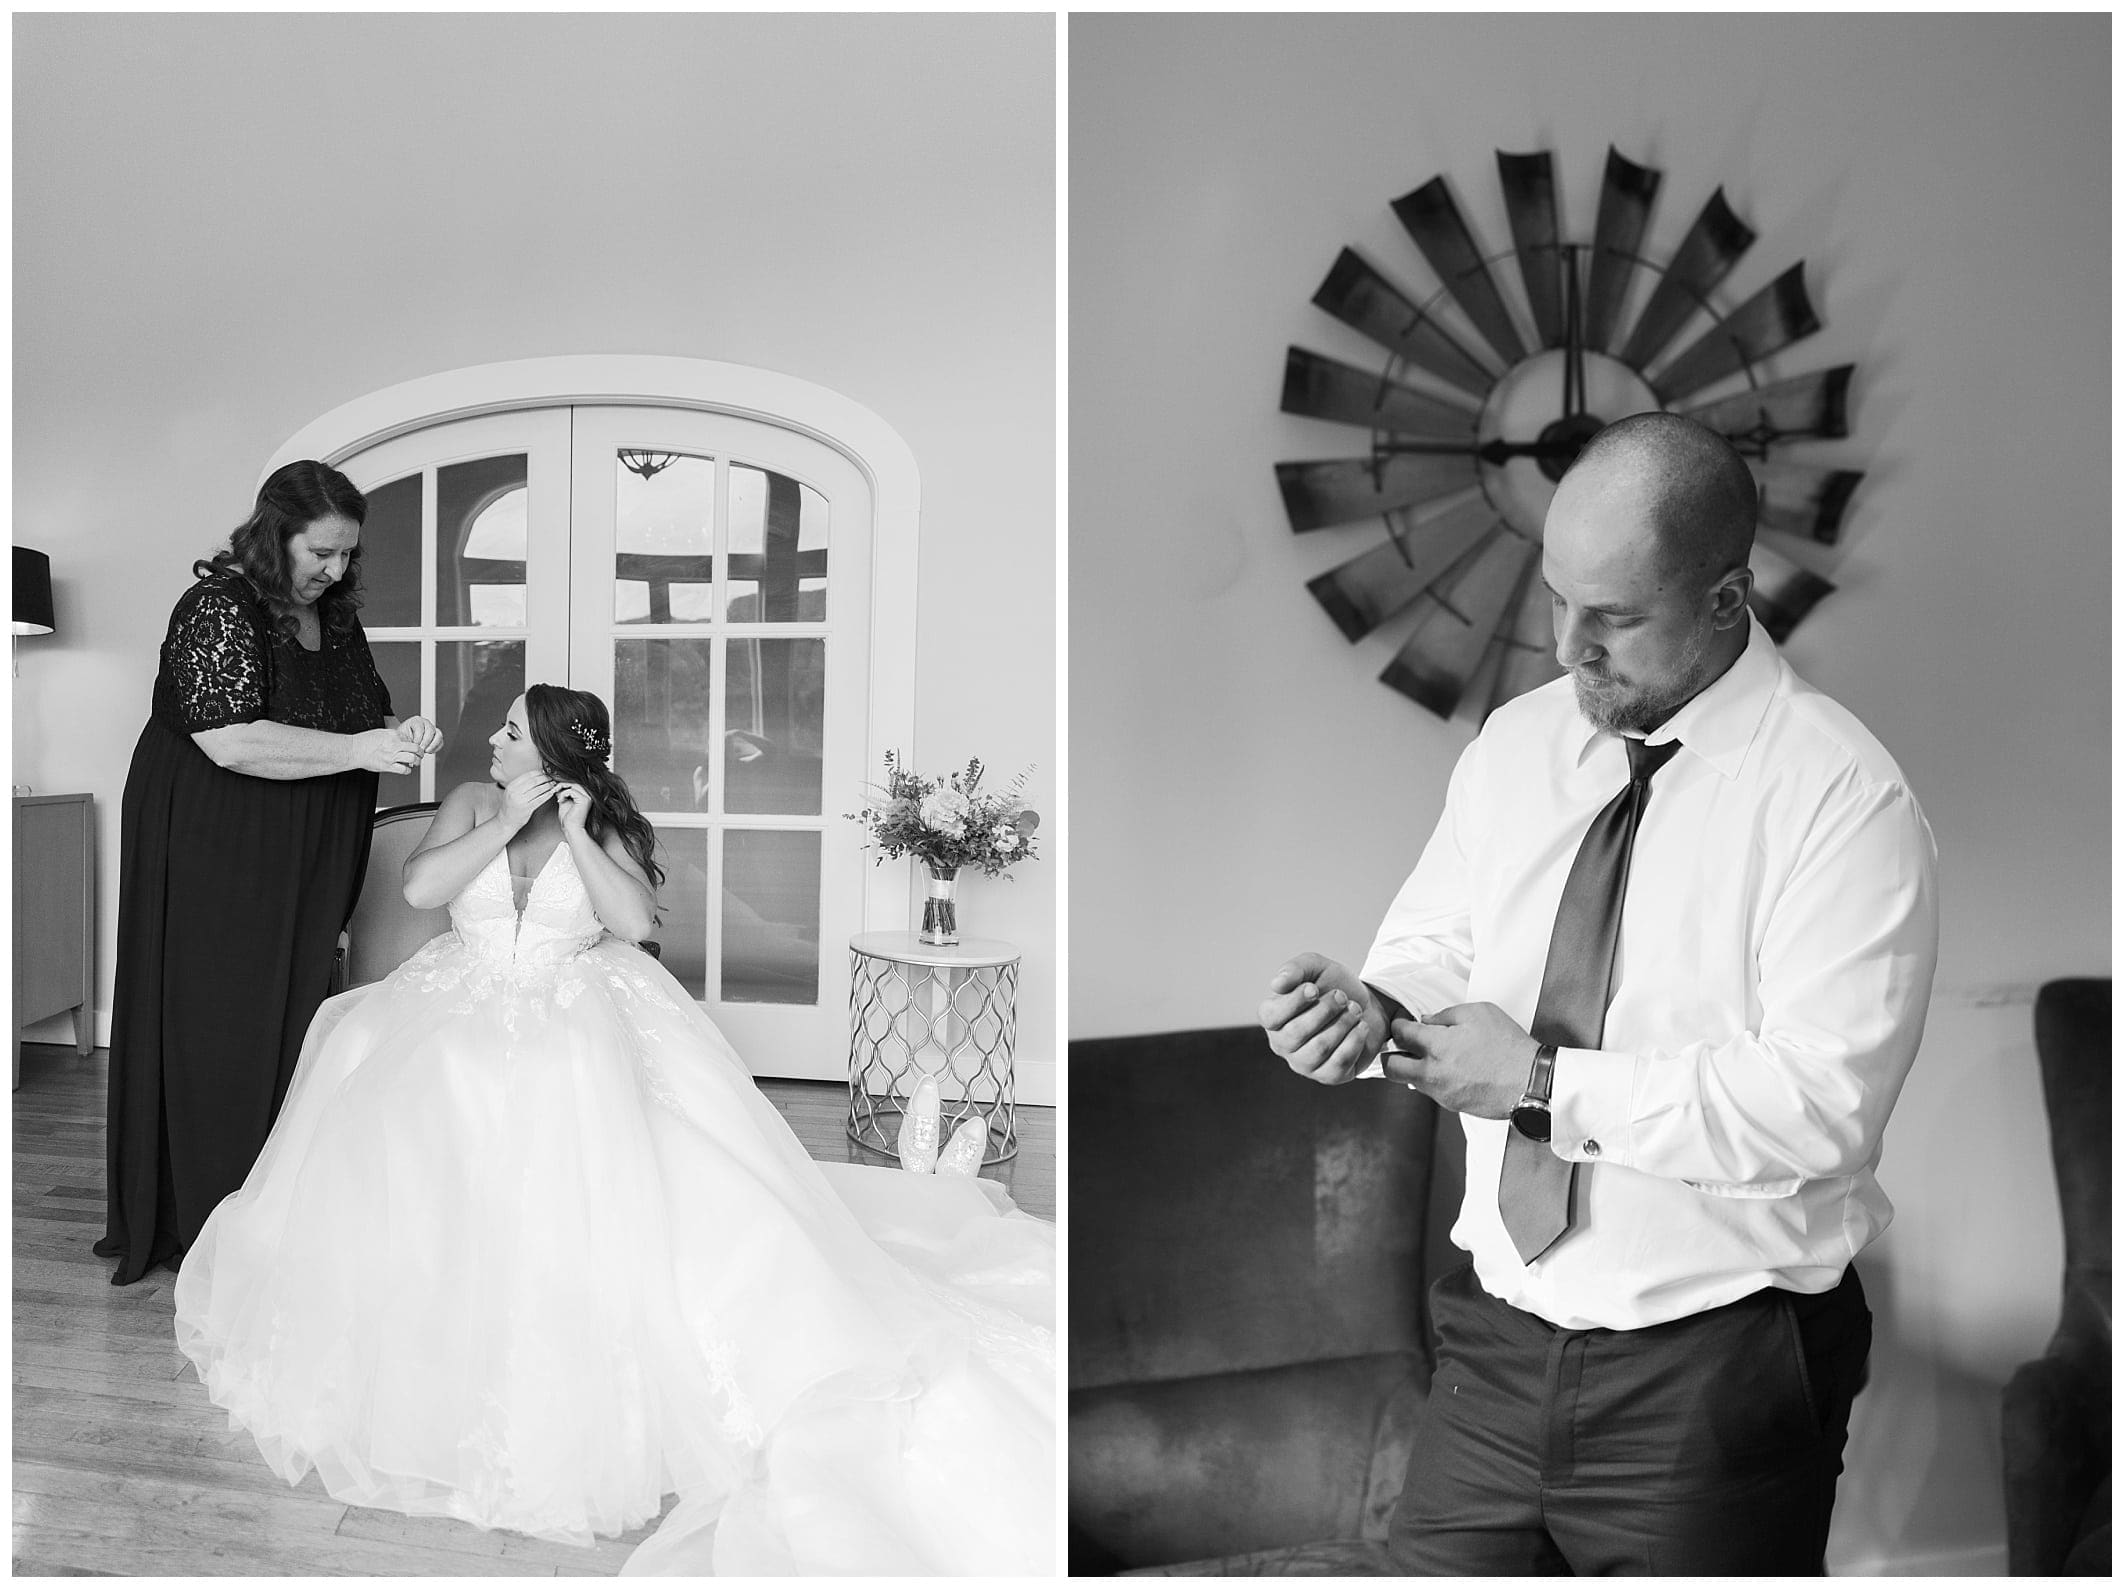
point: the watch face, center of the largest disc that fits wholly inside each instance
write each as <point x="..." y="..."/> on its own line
<point x="1482" y="389"/>
<point x="1532" y="1122"/>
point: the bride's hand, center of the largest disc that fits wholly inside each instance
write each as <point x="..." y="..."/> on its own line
<point x="574" y="807"/>
<point x="523" y="795"/>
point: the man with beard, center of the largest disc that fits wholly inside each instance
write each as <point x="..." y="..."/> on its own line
<point x="1667" y="955"/>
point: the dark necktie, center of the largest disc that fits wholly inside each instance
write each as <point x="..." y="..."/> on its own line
<point x="1534" y="1188"/>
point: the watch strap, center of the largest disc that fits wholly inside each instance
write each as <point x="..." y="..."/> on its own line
<point x="1541" y="1078"/>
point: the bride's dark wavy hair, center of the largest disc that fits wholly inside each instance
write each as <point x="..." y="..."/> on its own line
<point x="295" y="496"/>
<point x="573" y="733"/>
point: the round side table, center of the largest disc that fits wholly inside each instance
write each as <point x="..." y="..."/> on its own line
<point x="949" y="1011"/>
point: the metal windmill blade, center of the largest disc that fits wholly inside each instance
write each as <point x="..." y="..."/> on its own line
<point x="1433" y="222"/>
<point x="1804" y="500"/>
<point x="1814" y="404"/>
<point x="1526" y="641"/>
<point x="1457" y="574"/>
<point x="1529" y="185"/>
<point x="1626" y="194"/>
<point x="1324" y="388"/>
<point x="1784" y="592"/>
<point x="1711" y="250"/>
<point x="1366" y="301"/>
<point x="1320" y="492"/>
<point x="1371" y="587"/>
<point x="1773" y="319"/>
<point x="1455" y="621"/>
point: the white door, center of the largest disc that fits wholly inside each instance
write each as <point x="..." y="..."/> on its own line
<point x="709" y="578"/>
<point x="721" y="604"/>
<point x="464" y="573"/>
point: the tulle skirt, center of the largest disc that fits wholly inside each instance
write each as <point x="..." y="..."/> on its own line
<point x="528" y="1248"/>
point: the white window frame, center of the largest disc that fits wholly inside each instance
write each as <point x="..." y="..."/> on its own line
<point x="715" y="387"/>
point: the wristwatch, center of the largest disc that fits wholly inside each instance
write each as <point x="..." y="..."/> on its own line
<point x="1530" y="1116"/>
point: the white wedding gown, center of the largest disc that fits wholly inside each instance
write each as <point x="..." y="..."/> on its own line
<point x="527" y="1247"/>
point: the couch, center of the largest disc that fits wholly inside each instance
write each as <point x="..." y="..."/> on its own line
<point x="1248" y="1342"/>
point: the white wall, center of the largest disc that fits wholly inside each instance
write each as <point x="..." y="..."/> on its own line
<point x="227" y="225"/>
<point x="1242" y="788"/>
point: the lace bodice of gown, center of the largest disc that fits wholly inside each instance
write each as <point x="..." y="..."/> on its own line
<point x="557" y="923"/>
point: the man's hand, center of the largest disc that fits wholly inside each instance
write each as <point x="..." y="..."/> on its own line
<point x="1472" y="1058"/>
<point x="1322" y="1021"/>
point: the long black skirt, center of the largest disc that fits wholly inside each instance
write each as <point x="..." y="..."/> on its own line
<point x="231" y="894"/>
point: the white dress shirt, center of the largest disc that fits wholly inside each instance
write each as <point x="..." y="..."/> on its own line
<point x="1778" y="938"/>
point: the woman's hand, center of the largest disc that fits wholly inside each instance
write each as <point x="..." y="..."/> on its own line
<point x="384" y="750"/>
<point x="574" y="808"/>
<point x="422" y="735"/>
<point x="523" y="795"/>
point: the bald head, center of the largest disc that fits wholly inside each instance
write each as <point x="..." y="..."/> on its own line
<point x="1645" y="552"/>
<point x="1689" y="486"/>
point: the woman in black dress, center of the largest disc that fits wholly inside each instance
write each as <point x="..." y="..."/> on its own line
<point x="243" y="838"/>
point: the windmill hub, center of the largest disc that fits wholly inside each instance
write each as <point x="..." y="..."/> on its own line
<point x="1564" y="440"/>
<point x="1524" y="411"/>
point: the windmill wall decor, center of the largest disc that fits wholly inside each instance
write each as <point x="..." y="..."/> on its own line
<point x="1469" y="428"/>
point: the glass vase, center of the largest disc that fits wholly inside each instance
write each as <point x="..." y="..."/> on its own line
<point x="940" y="908"/>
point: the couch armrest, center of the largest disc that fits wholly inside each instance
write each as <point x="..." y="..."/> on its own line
<point x="2054" y="1427"/>
<point x="1212" y="1466"/>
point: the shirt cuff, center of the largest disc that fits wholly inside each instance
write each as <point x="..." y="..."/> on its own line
<point x="1589" y="1105"/>
<point x="1395" y="1011"/>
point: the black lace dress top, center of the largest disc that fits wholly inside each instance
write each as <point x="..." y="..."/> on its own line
<point x="232" y="890"/>
<point x="223" y="662"/>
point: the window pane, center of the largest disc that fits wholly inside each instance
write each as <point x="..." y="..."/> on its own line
<point x="777" y="548"/>
<point x="390" y="557"/>
<point x="682" y="934"/>
<point x="475" y="680"/>
<point x="770" y="917"/>
<point x="398" y="664"/>
<point x="664" y="508"/>
<point x="692" y="603"/>
<point x="480" y="539"/>
<point x="660" y="721"/>
<point x="497" y="606"/>
<point x="774" y="725"/>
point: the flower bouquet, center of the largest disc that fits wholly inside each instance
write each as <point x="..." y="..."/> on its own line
<point x="947" y="823"/>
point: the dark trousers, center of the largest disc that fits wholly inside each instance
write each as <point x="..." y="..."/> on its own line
<point x="1710" y="1444"/>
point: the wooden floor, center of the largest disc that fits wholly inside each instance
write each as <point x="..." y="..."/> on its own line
<point x="122" y="1465"/>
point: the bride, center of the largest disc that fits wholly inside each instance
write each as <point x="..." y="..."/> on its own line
<point x="528" y="1248"/>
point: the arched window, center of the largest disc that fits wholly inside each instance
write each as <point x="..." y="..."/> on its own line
<point x="734" y="579"/>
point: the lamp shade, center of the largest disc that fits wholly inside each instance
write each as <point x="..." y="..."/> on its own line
<point x="33" y="592"/>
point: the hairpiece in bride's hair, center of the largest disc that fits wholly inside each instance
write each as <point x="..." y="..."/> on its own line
<point x="593" y="743"/>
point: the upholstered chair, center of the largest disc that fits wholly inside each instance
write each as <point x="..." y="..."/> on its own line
<point x="2056" y="1417"/>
